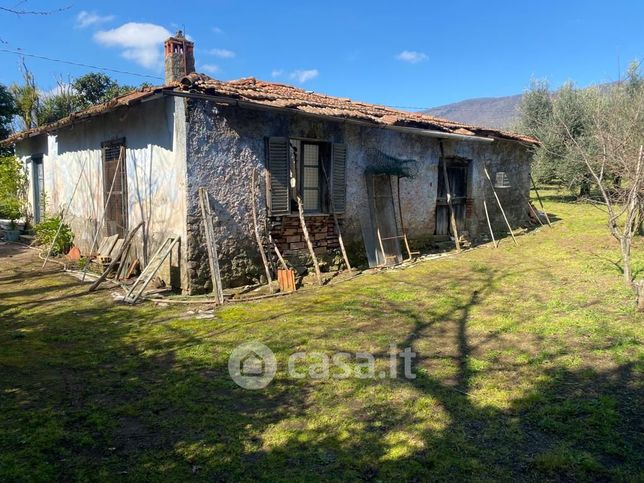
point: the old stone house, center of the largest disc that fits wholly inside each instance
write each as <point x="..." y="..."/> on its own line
<point x="368" y="163"/>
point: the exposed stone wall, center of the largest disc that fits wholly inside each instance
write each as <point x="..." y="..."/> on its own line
<point x="225" y="144"/>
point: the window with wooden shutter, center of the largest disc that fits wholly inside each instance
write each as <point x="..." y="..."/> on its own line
<point x="310" y="178"/>
<point x="278" y="168"/>
<point x="339" y="177"/>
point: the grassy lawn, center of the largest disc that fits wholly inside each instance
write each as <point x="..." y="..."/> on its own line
<point x="529" y="367"/>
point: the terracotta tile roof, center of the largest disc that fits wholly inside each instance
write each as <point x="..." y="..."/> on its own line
<point x="285" y="96"/>
<point x="282" y="96"/>
<point x="121" y="101"/>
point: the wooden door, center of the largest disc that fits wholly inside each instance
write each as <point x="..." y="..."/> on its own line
<point x="115" y="188"/>
<point x="457" y="176"/>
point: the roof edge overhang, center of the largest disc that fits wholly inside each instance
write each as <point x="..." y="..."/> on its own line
<point x="405" y="129"/>
<point x="173" y="91"/>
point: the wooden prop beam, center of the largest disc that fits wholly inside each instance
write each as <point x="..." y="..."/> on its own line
<point x="498" y="201"/>
<point x="452" y="218"/>
<point x="305" y="231"/>
<point x="258" y="238"/>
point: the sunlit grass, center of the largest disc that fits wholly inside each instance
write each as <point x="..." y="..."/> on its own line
<point x="529" y="366"/>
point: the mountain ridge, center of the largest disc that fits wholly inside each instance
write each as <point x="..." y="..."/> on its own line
<point x="495" y="112"/>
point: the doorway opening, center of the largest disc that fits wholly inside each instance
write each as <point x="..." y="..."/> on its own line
<point x="38" y="183"/>
<point x="115" y="187"/>
<point x="458" y="176"/>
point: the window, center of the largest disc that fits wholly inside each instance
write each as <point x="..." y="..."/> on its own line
<point x="313" y="169"/>
<point x="115" y="187"/>
<point x="310" y="184"/>
<point x="502" y="180"/>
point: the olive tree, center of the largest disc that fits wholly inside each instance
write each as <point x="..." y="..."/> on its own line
<point x="612" y="151"/>
<point x="553" y="158"/>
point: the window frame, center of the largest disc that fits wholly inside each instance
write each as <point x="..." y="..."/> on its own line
<point x="503" y="182"/>
<point x="301" y="168"/>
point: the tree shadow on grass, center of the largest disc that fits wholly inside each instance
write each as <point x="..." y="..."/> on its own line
<point x="570" y="424"/>
<point x="98" y="391"/>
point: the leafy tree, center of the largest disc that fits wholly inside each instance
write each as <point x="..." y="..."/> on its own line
<point x="7" y="111"/>
<point x="26" y="98"/>
<point x="604" y="132"/>
<point x="85" y="91"/>
<point x="96" y="88"/>
<point x="542" y="115"/>
<point x="57" y="106"/>
<point x="12" y="188"/>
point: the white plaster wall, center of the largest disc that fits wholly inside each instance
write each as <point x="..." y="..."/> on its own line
<point x="155" y="139"/>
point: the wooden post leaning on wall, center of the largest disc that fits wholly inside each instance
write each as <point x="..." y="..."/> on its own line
<point x="258" y="238"/>
<point x="498" y="201"/>
<point x="336" y="222"/>
<point x="452" y="217"/>
<point x="213" y="256"/>
<point x="489" y="225"/>
<point x="305" y="231"/>
<point x="540" y="202"/>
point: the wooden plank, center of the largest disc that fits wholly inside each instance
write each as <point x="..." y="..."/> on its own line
<point x="258" y="238"/>
<point x="101" y="246"/>
<point x="150" y="270"/>
<point x="305" y="231"/>
<point x="489" y="225"/>
<point x="116" y="258"/>
<point x="336" y="222"/>
<point x="120" y="272"/>
<point x="540" y="202"/>
<point x="500" y="205"/>
<point x="116" y="248"/>
<point x="106" y="249"/>
<point x="213" y="257"/>
<point x="136" y="263"/>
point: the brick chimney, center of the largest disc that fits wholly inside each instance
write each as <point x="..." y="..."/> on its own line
<point x="179" y="57"/>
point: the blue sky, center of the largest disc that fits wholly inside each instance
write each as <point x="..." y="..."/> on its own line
<point x="411" y="54"/>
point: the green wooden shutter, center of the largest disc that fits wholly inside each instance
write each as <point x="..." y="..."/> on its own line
<point x="278" y="169"/>
<point x="339" y="177"/>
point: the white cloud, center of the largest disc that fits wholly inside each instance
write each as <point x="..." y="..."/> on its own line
<point x="303" y="76"/>
<point x="141" y="42"/>
<point x="217" y="30"/>
<point x="222" y="53"/>
<point x="210" y="68"/>
<point x="277" y="73"/>
<point x="411" y="56"/>
<point x="85" y="19"/>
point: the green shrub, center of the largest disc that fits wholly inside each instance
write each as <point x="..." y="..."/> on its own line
<point x="46" y="231"/>
<point x="12" y="188"/>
